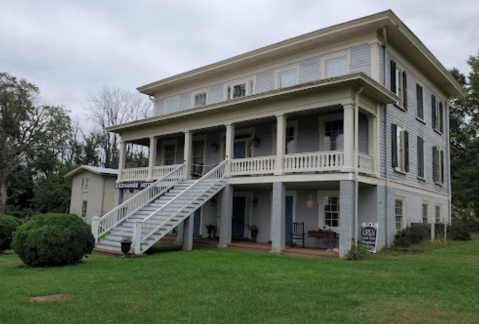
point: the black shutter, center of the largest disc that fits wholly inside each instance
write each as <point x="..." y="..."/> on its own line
<point x="420" y="157"/>
<point x="441" y="117"/>
<point x="394" y="144"/>
<point x="419" y="99"/>
<point x="442" y="166"/>
<point x="433" y="106"/>
<point x="406" y="151"/>
<point x="404" y="81"/>
<point x="434" y="163"/>
<point x="393" y="76"/>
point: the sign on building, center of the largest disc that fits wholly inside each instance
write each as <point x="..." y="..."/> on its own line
<point x="369" y="236"/>
<point x="133" y="185"/>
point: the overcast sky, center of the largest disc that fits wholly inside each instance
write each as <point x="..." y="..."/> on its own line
<point x="72" y="48"/>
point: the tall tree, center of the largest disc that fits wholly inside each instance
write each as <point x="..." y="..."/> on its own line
<point x="31" y="135"/>
<point x="113" y="106"/>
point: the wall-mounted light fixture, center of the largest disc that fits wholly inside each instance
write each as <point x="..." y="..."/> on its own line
<point x="213" y="202"/>
<point x="255" y="202"/>
<point x="214" y="147"/>
<point x="255" y="141"/>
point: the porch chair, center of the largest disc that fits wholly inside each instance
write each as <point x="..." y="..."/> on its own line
<point x="297" y="234"/>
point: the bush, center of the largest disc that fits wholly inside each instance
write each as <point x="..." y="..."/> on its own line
<point x="8" y="225"/>
<point x="412" y="235"/>
<point x="53" y="240"/>
<point x="357" y="252"/>
<point x="459" y="231"/>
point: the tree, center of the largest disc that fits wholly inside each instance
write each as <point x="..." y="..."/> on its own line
<point x="31" y="134"/>
<point x="113" y="106"/>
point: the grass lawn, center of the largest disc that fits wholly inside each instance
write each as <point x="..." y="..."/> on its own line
<point x="225" y="286"/>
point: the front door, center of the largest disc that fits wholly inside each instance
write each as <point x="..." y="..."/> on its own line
<point x="239" y="150"/>
<point x="197" y="222"/>
<point x="238" y="226"/>
<point x="289" y="219"/>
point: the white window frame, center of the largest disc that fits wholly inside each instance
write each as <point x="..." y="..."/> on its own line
<point x="321" y="216"/>
<point x="86" y="209"/>
<point x="278" y="72"/>
<point x="402" y="150"/>
<point x="250" y="83"/>
<point x="86" y="184"/>
<point x="170" y="99"/>
<point x="440" y="213"/>
<point x="322" y="127"/>
<point x="324" y="59"/>
<point x="438" y="117"/>
<point x="196" y="139"/>
<point x="425" y="203"/>
<point x="163" y="152"/>
<point x="198" y="92"/>
<point x="423" y="158"/>
<point x="403" y="220"/>
<point x="424" y="106"/>
<point x="439" y="163"/>
<point x="289" y="123"/>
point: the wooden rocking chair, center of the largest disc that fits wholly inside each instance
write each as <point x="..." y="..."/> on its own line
<point x="297" y="234"/>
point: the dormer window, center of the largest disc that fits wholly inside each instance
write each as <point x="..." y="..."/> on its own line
<point x="239" y="89"/>
<point x="336" y="64"/>
<point x="172" y="105"/>
<point x="200" y="99"/>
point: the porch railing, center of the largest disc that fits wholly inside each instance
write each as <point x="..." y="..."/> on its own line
<point x="314" y="161"/>
<point x="126" y="209"/>
<point x="134" y="174"/>
<point x="253" y="165"/>
<point x="365" y="163"/>
<point x="162" y="170"/>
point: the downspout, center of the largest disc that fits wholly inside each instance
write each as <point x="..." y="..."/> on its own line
<point x="356" y="162"/>
<point x="386" y="203"/>
<point x="103" y="196"/>
<point x="152" y="98"/>
<point x="449" y="189"/>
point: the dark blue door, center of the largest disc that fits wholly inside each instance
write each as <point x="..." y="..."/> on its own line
<point x="239" y="207"/>
<point x="289" y="218"/>
<point x="197" y="222"/>
<point x="239" y="150"/>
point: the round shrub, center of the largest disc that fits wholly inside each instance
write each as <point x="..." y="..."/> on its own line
<point x="53" y="240"/>
<point x="459" y="231"/>
<point x="8" y="225"/>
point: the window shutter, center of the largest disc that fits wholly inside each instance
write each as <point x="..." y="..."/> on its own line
<point x="394" y="145"/>
<point x="442" y="166"/>
<point x="434" y="163"/>
<point x="420" y="157"/>
<point x="419" y="99"/>
<point x="441" y="117"/>
<point x="393" y="76"/>
<point x="433" y="106"/>
<point x="404" y="81"/>
<point x="406" y="151"/>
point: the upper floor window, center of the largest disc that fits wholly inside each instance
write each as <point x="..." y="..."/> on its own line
<point x="200" y="99"/>
<point x="84" y="208"/>
<point x="437" y="114"/>
<point x="86" y="183"/>
<point x="399" y="84"/>
<point x="169" y="152"/>
<point x="172" y="105"/>
<point x="400" y="148"/>
<point x="336" y="64"/>
<point x="333" y="135"/>
<point x="239" y="89"/>
<point x="419" y="102"/>
<point x="437" y="165"/>
<point x="420" y="157"/>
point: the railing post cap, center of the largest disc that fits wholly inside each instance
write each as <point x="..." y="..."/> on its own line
<point x="95" y="218"/>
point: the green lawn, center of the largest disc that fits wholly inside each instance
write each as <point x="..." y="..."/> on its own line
<point x="224" y="286"/>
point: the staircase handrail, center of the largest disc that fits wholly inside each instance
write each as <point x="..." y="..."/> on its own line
<point x="153" y="223"/>
<point x="123" y="211"/>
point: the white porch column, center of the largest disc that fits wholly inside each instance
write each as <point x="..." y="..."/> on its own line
<point x="121" y="162"/>
<point x="372" y="139"/>
<point x="348" y="137"/>
<point x="152" y="157"/>
<point x="375" y="47"/>
<point x="187" y="153"/>
<point x="229" y="153"/>
<point x="278" y="217"/>
<point x="280" y="144"/>
<point x="95" y="223"/>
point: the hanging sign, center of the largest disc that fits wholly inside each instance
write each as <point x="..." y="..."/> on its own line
<point x="369" y="236"/>
<point x="132" y="185"/>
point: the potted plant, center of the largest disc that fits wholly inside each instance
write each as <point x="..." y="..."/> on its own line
<point x="310" y="202"/>
<point x="210" y="228"/>
<point x="254" y="232"/>
<point x="125" y="246"/>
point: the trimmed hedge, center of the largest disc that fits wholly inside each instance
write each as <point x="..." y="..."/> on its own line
<point x="411" y="235"/>
<point x="8" y="225"/>
<point x="53" y="240"/>
<point x="459" y="231"/>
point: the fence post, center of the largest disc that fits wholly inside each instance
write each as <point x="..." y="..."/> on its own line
<point x="95" y="223"/>
<point x="137" y="226"/>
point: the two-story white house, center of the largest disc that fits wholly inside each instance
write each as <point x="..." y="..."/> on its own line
<point x="338" y="127"/>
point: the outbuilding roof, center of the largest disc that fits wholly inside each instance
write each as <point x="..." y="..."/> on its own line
<point x="96" y="170"/>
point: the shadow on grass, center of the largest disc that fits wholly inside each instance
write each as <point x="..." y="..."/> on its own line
<point x="163" y="248"/>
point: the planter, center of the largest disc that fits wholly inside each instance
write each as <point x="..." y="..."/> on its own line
<point x="210" y="231"/>
<point x="321" y="234"/>
<point x="254" y="234"/>
<point x="125" y="248"/>
<point x="310" y="205"/>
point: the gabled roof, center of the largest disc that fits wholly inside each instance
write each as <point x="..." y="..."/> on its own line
<point x="397" y="33"/>
<point x="96" y="170"/>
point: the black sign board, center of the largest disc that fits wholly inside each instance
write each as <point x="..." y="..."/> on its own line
<point x="132" y="185"/>
<point x="369" y="235"/>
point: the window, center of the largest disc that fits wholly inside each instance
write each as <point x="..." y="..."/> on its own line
<point x="399" y="84"/>
<point x="198" y="156"/>
<point x="331" y="211"/>
<point x="290" y="139"/>
<point x="335" y="64"/>
<point x="400" y="148"/>
<point x="239" y="89"/>
<point x="438" y="214"/>
<point x="437" y="114"/>
<point x="399" y="213"/>
<point x="86" y="183"/>
<point x="425" y="213"/>
<point x="291" y="135"/>
<point x="169" y="152"/>
<point x="172" y="105"/>
<point x="84" y="208"/>
<point x="420" y="157"/>
<point x="419" y="102"/>
<point x="287" y="78"/>
<point x="333" y="135"/>
<point x="437" y="165"/>
<point x="200" y="99"/>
